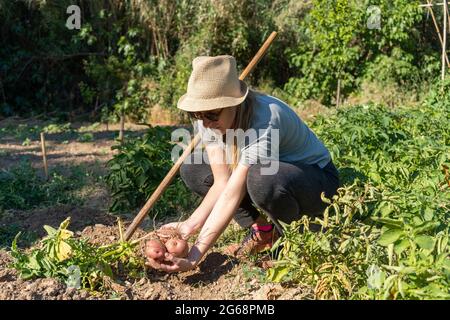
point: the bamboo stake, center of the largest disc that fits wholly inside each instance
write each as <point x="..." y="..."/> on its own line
<point x="444" y="43"/>
<point x="432" y="4"/>
<point x="433" y="17"/>
<point x="44" y="155"/>
<point x="169" y="177"/>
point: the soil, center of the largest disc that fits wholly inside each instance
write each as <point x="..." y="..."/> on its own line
<point x="218" y="277"/>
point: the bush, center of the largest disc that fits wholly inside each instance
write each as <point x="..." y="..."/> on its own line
<point x="337" y="44"/>
<point x="138" y="168"/>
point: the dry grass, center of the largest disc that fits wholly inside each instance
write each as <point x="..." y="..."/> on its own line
<point x="391" y="95"/>
<point x="310" y="109"/>
<point x="164" y="116"/>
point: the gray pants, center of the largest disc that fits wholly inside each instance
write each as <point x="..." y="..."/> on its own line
<point x="286" y="196"/>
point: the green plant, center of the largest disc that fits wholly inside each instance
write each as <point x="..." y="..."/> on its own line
<point x="338" y="44"/>
<point x="334" y="259"/>
<point x="92" y="127"/>
<point x="138" y="168"/>
<point x="22" y="188"/>
<point x="26" y="142"/>
<point x="86" y="137"/>
<point x="59" y="253"/>
<point x="57" y="128"/>
<point x="385" y="235"/>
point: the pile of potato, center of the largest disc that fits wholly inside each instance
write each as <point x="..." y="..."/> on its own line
<point x="166" y="240"/>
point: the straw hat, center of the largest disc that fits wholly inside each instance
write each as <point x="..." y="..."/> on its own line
<point x="213" y="84"/>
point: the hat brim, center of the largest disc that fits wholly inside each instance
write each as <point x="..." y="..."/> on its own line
<point x="191" y="104"/>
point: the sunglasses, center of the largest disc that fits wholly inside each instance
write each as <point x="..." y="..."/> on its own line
<point x="211" y="116"/>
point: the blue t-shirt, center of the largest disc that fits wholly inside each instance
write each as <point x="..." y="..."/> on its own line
<point x="276" y="132"/>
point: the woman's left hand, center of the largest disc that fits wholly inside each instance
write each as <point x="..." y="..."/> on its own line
<point x="172" y="264"/>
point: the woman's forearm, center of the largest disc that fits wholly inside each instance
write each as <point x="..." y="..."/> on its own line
<point x="199" y="216"/>
<point x="221" y="214"/>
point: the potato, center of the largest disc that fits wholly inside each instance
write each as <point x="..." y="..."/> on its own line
<point x="155" y="249"/>
<point x="178" y="247"/>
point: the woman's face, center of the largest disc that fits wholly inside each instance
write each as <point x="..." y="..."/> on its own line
<point x="224" y="121"/>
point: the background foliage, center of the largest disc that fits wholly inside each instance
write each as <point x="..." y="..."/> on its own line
<point x="130" y="55"/>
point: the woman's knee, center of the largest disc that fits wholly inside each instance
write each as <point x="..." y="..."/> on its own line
<point x="196" y="177"/>
<point x="269" y="193"/>
<point x="261" y="188"/>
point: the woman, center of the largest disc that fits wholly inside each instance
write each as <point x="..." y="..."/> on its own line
<point x="241" y="176"/>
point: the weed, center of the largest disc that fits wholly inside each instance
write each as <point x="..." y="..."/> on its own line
<point x="22" y="188"/>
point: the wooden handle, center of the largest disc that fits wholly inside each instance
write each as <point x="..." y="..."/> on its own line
<point x="169" y="177"/>
<point x="258" y="56"/>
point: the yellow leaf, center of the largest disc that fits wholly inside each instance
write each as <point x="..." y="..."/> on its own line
<point x="64" y="224"/>
<point x="63" y="251"/>
<point x="65" y="234"/>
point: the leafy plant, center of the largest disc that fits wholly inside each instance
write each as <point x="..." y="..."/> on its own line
<point x="338" y="45"/>
<point x="60" y="253"/>
<point x="86" y="137"/>
<point x="57" y="128"/>
<point x="139" y="167"/>
<point x="333" y="260"/>
<point x="385" y="235"/>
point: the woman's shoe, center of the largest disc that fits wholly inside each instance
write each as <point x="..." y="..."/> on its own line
<point x="260" y="238"/>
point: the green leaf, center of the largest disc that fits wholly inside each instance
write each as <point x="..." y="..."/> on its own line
<point x="389" y="222"/>
<point x="14" y="243"/>
<point x="425" y="227"/>
<point x="425" y="242"/>
<point x="387" y="209"/>
<point x="115" y="166"/>
<point x="375" y="176"/>
<point x="277" y="274"/>
<point x="107" y="270"/>
<point x="390" y="236"/>
<point x="50" y="230"/>
<point x="401" y="246"/>
<point x="429" y="214"/>
<point x="447" y="264"/>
